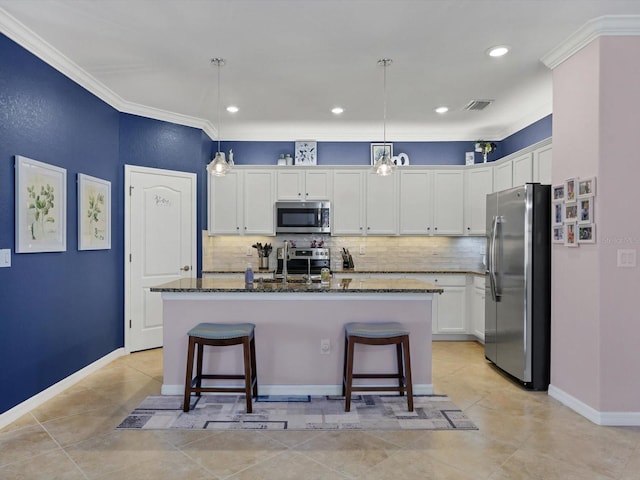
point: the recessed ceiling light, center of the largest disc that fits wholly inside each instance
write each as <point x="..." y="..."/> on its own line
<point x="232" y="109"/>
<point x="498" y="51"/>
<point x="337" y="110"/>
<point x="442" y="109"/>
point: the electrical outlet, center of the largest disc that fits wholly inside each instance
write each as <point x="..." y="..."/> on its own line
<point x="249" y="251"/>
<point x="362" y="250"/>
<point x="5" y="257"/>
<point x="325" y="346"/>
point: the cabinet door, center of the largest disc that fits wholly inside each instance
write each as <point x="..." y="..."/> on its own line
<point x="382" y="204"/>
<point x="259" y="198"/>
<point x="542" y="165"/>
<point x="522" y="169"/>
<point x="502" y="176"/>
<point x="448" y="202"/>
<point x="346" y="210"/>
<point x="478" y="183"/>
<point x="290" y="185"/>
<point x="451" y="310"/>
<point x="477" y="311"/>
<point x="317" y="185"/>
<point x="225" y="204"/>
<point x="416" y="203"/>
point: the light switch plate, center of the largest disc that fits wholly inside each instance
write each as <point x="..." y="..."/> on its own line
<point x="627" y="257"/>
<point x="5" y="257"/>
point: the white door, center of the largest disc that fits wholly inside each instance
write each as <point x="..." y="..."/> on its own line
<point x="160" y="246"/>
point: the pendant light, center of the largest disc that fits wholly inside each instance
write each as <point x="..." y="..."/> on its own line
<point x="218" y="166"/>
<point x="384" y="166"/>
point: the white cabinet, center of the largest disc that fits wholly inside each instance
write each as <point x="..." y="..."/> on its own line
<point x="364" y="203"/>
<point x="432" y="202"/>
<point x="241" y="203"/>
<point x="348" y="202"/>
<point x="303" y="184"/>
<point x="522" y="169"/>
<point x="502" y="176"/>
<point x="542" y="165"/>
<point x="478" y="183"/>
<point x="477" y="308"/>
<point x="449" y="307"/>
<point x="382" y="204"/>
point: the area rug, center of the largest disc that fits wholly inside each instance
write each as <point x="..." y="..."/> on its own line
<point x="368" y="412"/>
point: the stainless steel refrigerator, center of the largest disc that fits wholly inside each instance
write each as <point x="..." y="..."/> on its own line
<point x="518" y="283"/>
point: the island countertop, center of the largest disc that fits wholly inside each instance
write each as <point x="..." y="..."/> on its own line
<point x="346" y="285"/>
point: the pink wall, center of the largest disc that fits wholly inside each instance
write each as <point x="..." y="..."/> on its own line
<point x="595" y="329"/>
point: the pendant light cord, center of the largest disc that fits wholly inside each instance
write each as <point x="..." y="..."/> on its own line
<point x="219" y="62"/>
<point x="384" y="62"/>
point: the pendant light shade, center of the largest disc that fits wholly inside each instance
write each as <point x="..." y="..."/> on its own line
<point x="384" y="165"/>
<point x="218" y="166"/>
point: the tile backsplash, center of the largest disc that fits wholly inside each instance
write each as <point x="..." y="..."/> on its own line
<point x="220" y="253"/>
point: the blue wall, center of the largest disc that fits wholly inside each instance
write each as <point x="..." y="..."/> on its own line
<point x="534" y="133"/>
<point x="59" y="312"/>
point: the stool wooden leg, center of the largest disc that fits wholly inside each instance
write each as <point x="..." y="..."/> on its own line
<point x="344" y="366"/>
<point x="407" y="368"/>
<point x="200" y="352"/>
<point x="189" y="376"/>
<point x="400" y="367"/>
<point x="247" y="373"/>
<point x="349" y="379"/>
<point x="254" y="371"/>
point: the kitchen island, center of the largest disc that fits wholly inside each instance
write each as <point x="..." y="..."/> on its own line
<point x="299" y="329"/>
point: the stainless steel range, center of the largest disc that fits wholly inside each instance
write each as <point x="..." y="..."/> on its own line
<point x="303" y="261"/>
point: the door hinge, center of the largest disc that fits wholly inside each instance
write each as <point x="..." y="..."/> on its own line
<point x="130" y="258"/>
<point x="129" y="323"/>
<point x="130" y="189"/>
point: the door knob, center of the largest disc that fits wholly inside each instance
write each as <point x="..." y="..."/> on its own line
<point x="186" y="268"/>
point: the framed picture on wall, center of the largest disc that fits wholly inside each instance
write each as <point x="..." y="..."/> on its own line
<point x="558" y="213"/>
<point x="557" y="234"/>
<point x="587" y="233"/>
<point x="570" y="190"/>
<point x="570" y="234"/>
<point x="570" y="212"/>
<point x="585" y="210"/>
<point x="94" y="213"/>
<point x="40" y="206"/>
<point x="557" y="193"/>
<point x="587" y="187"/>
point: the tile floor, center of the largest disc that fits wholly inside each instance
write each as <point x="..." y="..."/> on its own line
<point x="523" y="435"/>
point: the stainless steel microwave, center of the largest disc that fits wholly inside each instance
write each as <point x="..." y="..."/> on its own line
<point x="303" y="217"/>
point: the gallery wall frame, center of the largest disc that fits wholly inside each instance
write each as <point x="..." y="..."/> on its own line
<point x="94" y="213"/>
<point x="572" y="214"/>
<point x="40" y="206"/>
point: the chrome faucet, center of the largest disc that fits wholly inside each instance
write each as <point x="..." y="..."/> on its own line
<point x="285" y="260"/>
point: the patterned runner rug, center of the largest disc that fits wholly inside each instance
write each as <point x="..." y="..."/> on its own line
<point x="368" y="412"/>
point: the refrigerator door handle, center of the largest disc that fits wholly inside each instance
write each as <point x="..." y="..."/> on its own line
<point x="497" y="253"/>
<point x="491" y="259"/>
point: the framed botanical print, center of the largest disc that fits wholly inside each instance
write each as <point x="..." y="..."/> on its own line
<point x="306" y="153"/>
<point x="378" y="150"/>
<point x="94" y="213"/>
<point x="40" y="206"/>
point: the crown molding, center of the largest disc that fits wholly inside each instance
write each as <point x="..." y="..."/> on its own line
<point x="609" y="25"/>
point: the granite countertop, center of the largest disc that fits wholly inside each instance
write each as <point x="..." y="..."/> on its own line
<point x="377" y="272"/>
<point x="344" y="285"/>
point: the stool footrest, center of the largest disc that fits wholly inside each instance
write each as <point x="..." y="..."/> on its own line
<point x="376" y="375"/>
<point x="378" y="389"/>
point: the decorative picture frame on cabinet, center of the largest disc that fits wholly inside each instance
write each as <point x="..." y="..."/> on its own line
<point x="94" y="213"/>
<point x="306" y="152"/>
<point x="570" y="234"/>
<point x="557" y="193"/>
<point x="570" y="212"/>
<point x="585" y="210"/>
<point x="570" y="190"/>
<point x="587" y="233"/>
<point x="557" y="234"/>
<point x="587" y="187"/>
<point x="40" y="206"/>
<point x="379" y="149"/>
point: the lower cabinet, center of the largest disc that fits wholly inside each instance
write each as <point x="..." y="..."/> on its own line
<point x="477" y="307"/>
<point x="449" y="307"/>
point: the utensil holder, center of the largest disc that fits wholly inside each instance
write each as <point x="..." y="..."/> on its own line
<point x="263" y="263"/>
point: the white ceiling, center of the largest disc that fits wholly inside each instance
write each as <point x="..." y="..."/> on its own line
<point x="290" y="61"/>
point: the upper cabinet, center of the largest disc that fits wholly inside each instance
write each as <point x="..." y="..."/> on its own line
<point x="381" y="204"/>
<point x="478" y="183"/>
<point x="431" y="202"/>
<point x="312" y="184"/>
<point x="542" y="165"/>
<point x="242" y="203"/>
<point x="347" y="216"/>
<point x="522" y="169"/>
<point x="502" y="176"/>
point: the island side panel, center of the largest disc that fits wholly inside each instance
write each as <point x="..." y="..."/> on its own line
<point x="288" y="334"/>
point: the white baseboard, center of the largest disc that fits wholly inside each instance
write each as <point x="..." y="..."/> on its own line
<point x="420" y="389"/>
<point x="38" y="399"/>
<point x="610" y="419"/>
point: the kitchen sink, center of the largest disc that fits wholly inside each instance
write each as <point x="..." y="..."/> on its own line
<point x="289" y="280"/>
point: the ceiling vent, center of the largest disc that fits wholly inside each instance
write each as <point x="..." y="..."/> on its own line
<point x="478" y="104"/>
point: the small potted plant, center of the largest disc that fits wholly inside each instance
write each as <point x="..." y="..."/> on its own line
<point x="485" y="147"/>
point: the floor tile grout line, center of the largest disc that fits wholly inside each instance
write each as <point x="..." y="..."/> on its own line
<point x="64" y="450"/>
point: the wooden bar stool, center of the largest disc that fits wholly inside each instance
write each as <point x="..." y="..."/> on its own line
<point x="383" y="333"/>
<point x="221" y="335"/>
